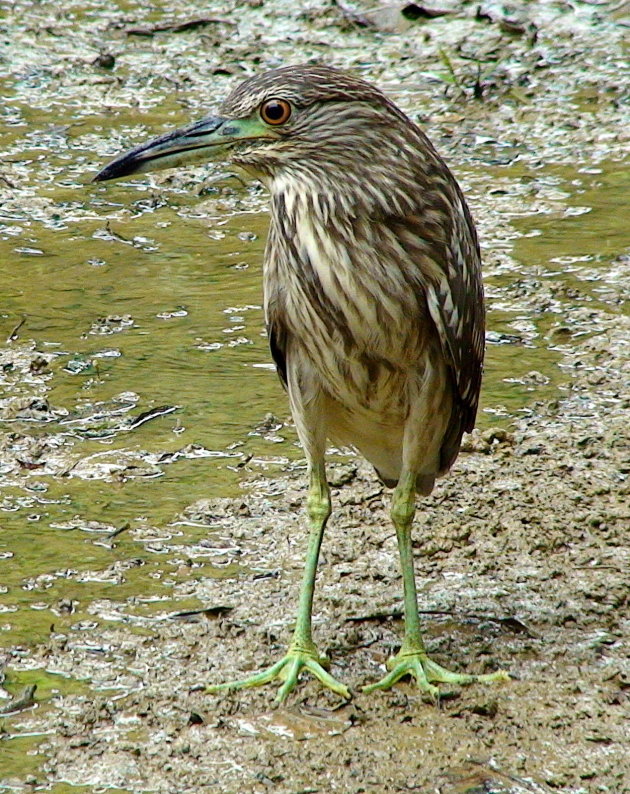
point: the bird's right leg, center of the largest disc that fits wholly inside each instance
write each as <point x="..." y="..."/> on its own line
<point x="424" y="430"/>
<point x="308" y="411"/>
<point x="302" y="652"/>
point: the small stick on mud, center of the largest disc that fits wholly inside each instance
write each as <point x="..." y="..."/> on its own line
<point x="510" y="621"/>
<point x="119" y="531"/>
<point x="178" y="27"/>
<point x="191" y="615"/>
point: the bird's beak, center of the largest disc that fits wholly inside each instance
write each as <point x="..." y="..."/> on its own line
<point x="198" y="142"/>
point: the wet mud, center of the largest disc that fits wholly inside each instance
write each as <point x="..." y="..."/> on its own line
<point x="114" y="617"/>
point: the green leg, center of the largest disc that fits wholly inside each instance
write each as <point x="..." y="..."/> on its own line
<point x="302" y="652"/>
<point x="412" y="659"/>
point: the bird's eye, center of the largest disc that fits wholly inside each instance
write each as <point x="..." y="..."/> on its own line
<point x="275" y="111"/>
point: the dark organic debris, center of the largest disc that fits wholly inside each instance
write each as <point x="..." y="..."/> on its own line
<point x="516" y="625"/>
<point x="193" y="615"/>
<point x="498" y="338"/>
<point x="105" y="60"/>
<point x="178" y="27"/>
<point x="415" y="11"/>
<point x="380" y="617"/>
<point x="119" y="530"/>
<point x="15" y="332"/>
<point x="391" y="17"/>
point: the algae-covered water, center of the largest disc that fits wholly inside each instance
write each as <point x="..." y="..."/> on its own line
<point x="162" y="309"/>
<point x="135" y="377"/>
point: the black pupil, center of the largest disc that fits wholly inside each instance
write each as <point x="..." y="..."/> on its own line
<point x="274" y="111"/>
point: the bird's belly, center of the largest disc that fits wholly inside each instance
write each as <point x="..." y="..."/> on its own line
<point x="365" y="407"/>
<point x="371" y="404"/>
<point x="379" y="439"/>
<point x="363" y="382"/>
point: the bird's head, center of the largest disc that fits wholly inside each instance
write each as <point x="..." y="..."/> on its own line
<point x="299" y="121"/>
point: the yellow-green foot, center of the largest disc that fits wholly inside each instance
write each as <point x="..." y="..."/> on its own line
<point x="427" y="672"/>
<point x="288" y="670"/>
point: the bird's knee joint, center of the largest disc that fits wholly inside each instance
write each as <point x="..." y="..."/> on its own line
<point x="402" y="513"/>
<point x="318" y="510"/>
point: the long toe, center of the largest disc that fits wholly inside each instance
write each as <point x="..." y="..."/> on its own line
<point x="288" y="671"/>
<point x="426" y="672"/>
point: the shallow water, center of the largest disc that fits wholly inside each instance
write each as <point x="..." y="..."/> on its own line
<point x="195" y="340"/>
<point x="579" y="244"/>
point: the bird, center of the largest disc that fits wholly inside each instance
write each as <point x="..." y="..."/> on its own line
<point x="373" y="302"/>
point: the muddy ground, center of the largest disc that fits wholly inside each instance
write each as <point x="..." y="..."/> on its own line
<point x="521" y="553"/>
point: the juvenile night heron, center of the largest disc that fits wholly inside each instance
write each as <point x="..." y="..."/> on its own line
<point x="373" y="303"/>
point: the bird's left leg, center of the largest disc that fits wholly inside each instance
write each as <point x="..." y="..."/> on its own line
<point x="412" y="659"/>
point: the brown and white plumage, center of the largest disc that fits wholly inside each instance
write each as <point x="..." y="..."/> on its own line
<point x="373" y="302"/>
<point x="372" y="279"/>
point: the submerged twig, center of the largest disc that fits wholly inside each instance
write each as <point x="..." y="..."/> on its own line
<point x="14" y="333"/>
<point x="153" y="413"/>
<point x="24" y="701"/>
<point x="119" y="531"/>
